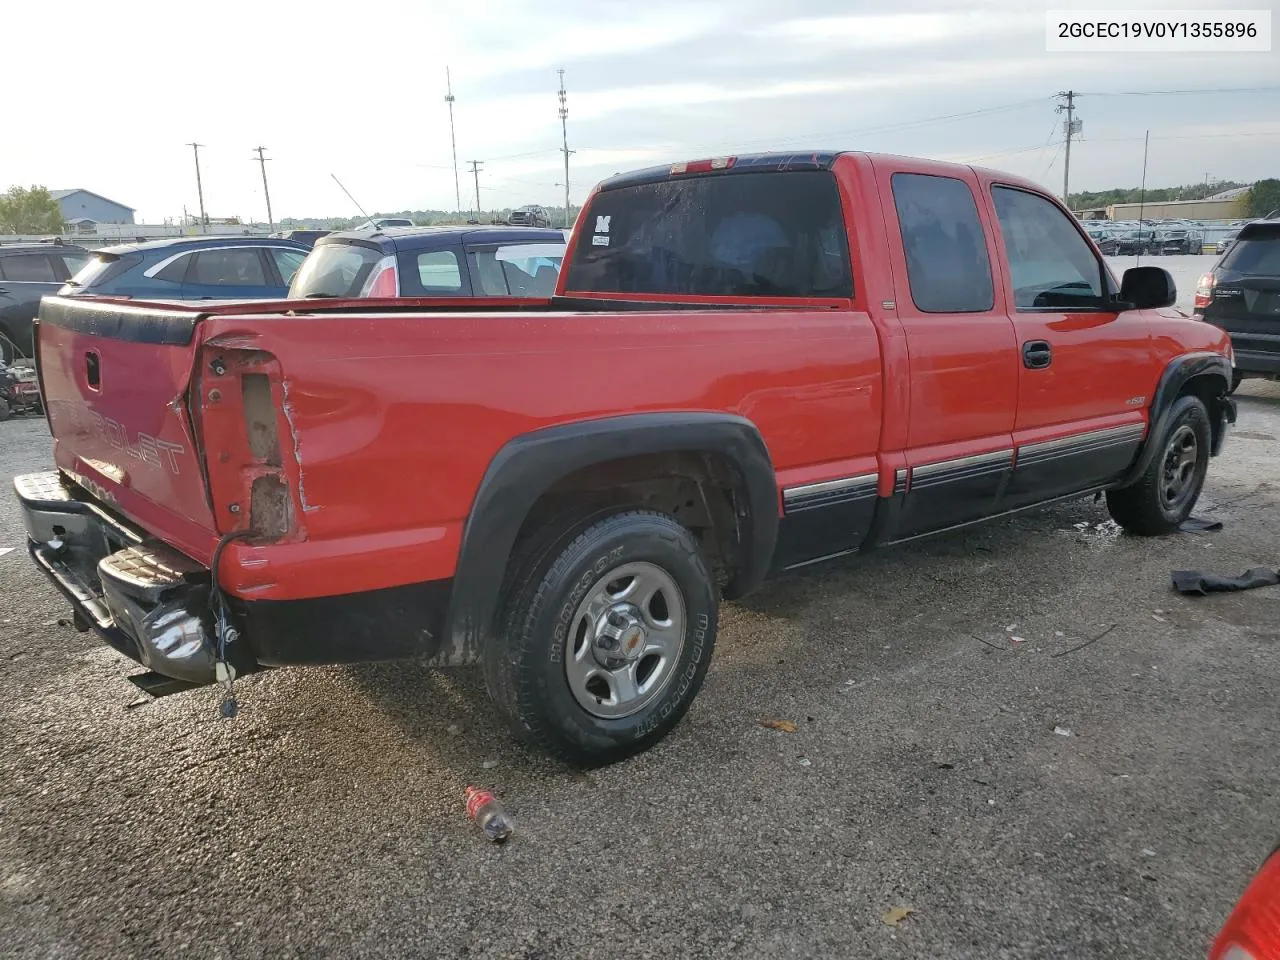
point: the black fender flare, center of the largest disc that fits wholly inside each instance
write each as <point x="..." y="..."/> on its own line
<point x="530" y="464"/>
<point x="1176" y="375"/>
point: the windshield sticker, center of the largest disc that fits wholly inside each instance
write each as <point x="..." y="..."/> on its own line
<point x="599" y="240"/>
<point x="602" y="224"/>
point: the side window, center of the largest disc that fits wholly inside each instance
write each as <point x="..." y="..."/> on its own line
<point x="229" y="267"/>
<point x="176" y="271"/>
<point x="287" y="262"/>
<point x="487" y="274"/>
<point x="439" y="272"/>
<point x="30" y="268"/>
<point x="1051" y="265"/>
<point x="947" y="264"/>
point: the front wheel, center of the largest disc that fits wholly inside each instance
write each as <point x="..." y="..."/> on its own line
<point x="1168" y="489"/>
<point x="606" y="637"/>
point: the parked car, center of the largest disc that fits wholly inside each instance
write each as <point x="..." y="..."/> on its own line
<point x="1241" y="294"/>
<point x="19" y="389"/>
<point x="529" y="216"/>
<point x="1105" y="237"/>
<point x="433" y="262"/>
<point x="1224" y="243"/>
<point x="1138" y="239"/>
<point x="563" y="490"/>
<point x="382" y="223"/>
<point x="306" y="237"/>
<point x="29" y="271"/>
<point x="1176" y="238"/>
<point x="191" y="268"/>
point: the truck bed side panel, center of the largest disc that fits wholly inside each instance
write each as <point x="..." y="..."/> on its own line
<point x="395" y="418"/>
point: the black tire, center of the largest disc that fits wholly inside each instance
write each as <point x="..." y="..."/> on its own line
<point x="1167" y="491"/>
<point x="543" y="633"/>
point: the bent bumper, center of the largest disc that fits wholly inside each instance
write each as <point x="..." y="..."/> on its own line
<point x="144" y="598"/>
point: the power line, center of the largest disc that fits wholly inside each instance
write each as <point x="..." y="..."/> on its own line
<point x="1174" y="93"/>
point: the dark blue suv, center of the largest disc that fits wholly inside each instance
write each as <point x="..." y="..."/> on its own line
<point x="433" y="262"/>
<point x="191" y="268"/>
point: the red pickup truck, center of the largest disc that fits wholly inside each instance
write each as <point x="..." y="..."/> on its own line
<point x="750" y="364"/>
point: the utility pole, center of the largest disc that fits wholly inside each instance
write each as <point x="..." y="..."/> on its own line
<point x="475" y="170"/>
<point x="564" y="140"/>
<point x="204" y="218"/>
<point x="262" y="162"/>
<point x="448" y="98"/>
<point x="1071" y="126"/>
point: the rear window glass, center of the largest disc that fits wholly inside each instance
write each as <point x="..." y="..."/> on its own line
<point x="94" y="270"/>
<point x="749" y="234"/>
<point x="29" y="267"/>
<point x="334" y="270"/>
<point x="517" y="269"/>
<point x="1255" y="255"/>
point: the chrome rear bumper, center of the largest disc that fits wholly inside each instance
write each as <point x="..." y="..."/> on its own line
<point x="144" y="598"/>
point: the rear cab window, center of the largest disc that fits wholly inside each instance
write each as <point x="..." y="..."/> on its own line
<point x="766" y="234"/>
<point x="334" y="270"/>
<point x="948" y="269"/>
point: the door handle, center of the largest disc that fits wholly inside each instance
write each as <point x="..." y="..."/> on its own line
<point x="1037" y="354"/>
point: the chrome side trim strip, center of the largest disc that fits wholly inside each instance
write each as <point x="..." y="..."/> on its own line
<point x="825" y="487"/>
<point x="998" y="457"/>
<point x="1128" y="431"/>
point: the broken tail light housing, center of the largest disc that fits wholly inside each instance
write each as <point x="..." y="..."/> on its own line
<point x="1204" y="291"/>
<point x="1252" y="932"/>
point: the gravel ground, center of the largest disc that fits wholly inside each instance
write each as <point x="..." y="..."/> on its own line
<point x="327" y="820"/>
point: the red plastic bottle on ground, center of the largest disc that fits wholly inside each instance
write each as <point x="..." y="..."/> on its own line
<point x="484" y="809"/>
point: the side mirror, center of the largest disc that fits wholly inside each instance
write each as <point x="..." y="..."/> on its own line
<point x="1148" y="287"/>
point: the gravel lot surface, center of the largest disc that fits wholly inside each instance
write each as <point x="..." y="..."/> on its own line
<point x="327" y="819"/>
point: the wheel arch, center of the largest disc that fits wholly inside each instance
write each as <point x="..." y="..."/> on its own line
<point x="1204" y="375"/>
<point x="530" y="465"/>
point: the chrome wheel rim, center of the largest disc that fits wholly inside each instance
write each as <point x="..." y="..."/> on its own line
<point x="625" y="640"/>
<point x="1180" y="458"/>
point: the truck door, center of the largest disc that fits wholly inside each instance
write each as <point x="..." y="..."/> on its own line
<point x="1084" y="370"/>
<point x="963" y="355"/>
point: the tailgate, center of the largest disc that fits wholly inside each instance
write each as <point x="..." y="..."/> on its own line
<point x="115" y="380"/>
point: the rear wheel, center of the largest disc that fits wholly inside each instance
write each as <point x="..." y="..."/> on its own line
<point x="606" y="637"/>
<point x="1168" y="489"/>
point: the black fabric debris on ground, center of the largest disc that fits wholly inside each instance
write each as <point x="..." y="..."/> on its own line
<point x="1196" y="583"/>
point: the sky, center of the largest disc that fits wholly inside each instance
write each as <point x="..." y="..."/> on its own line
<point x="120" y="90"/>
